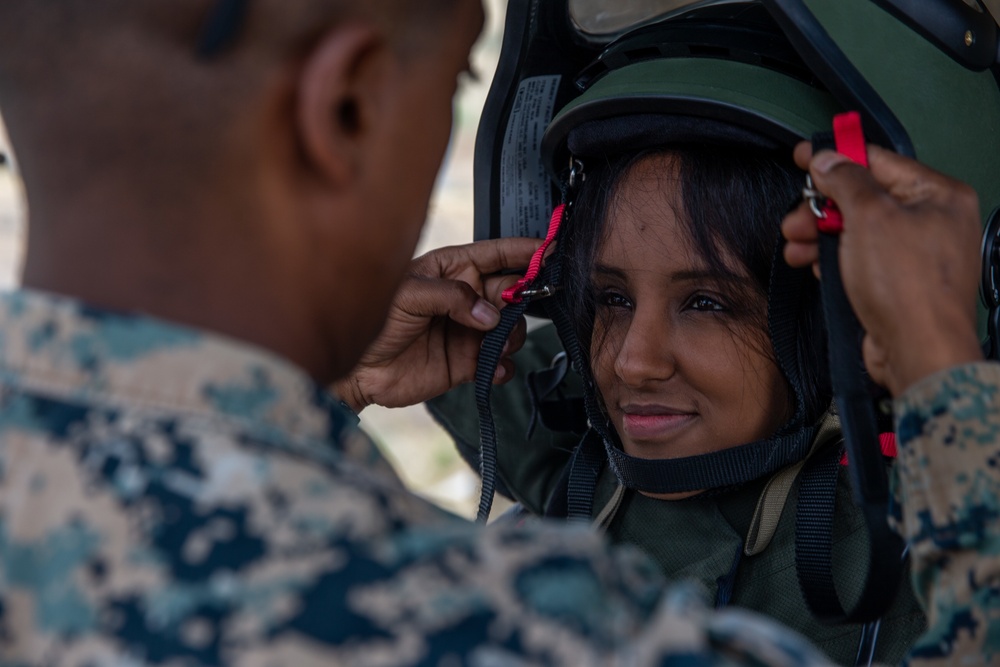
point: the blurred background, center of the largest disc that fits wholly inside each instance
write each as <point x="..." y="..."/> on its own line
<point x="421" y="451"/>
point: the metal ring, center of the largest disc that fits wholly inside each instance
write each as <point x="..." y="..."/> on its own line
<point x="539" y="293"/>
<point x="815" y="198"/>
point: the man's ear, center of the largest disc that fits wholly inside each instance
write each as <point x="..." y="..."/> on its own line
<point x="339" y="92"/>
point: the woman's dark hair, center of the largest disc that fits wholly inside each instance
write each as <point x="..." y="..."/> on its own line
<point x="733" y="203"/>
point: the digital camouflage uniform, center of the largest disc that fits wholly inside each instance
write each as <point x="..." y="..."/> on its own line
<point x="948" y="483"/>
<point x="171" y="497"/>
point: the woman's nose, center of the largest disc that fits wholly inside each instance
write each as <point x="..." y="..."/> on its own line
<point x="645" y="353"/>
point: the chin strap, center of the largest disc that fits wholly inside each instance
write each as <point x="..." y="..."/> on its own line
<point x="853" y="396"/>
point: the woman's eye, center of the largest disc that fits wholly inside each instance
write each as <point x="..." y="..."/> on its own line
<point x="702" y="302"/>
<point x="613" y="300"/>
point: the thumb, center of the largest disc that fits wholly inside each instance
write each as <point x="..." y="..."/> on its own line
<point x="440" y="297"/>
<point x="850" y="185"/>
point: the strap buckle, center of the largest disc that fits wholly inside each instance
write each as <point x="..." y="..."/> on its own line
<point x="538" y="293"/>
<point x="817" y="202"/>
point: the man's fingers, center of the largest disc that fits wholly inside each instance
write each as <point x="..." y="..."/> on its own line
<point x="803" y="155"/>
<point x="875" y="360"/>
<point x="798" y="255"/>
<point x="517" y="337"/>
<point x="847" y="183"/>
<point x="436" y="297"/>
<point x="483" y="257"/>
<point x="799" y="228"/>
<point x="494" y="287"/>
<point x="907" y="180"/>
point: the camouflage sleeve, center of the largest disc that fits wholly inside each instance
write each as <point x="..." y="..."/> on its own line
<point x="396" y="582"/>
<point x="351" y="570"/>
<point x="948" y="482"/>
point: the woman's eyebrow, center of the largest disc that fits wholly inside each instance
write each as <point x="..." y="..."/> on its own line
<point x="683" y="275"/>
<point x="689" y="275"/>
<point x="605" y="270"/>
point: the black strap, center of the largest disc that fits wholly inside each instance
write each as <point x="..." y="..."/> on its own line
<point x="814" y="533"/>
<point x="727" y="582"/>
<point x="590" y="455"/>
<point x="814" y="519"/>
<point x="726" y="467"/>
<point x="556" y="506"/>
<point x="489" y="359"/>
<point x="584" y="471"/>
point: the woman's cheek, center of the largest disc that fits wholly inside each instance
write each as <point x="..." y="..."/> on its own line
<point x="605" y="346"/>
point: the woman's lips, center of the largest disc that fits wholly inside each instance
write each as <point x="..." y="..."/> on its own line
<point x="647" y="423"/>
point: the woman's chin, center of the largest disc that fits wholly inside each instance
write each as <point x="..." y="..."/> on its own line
<point x="662" y="448"/>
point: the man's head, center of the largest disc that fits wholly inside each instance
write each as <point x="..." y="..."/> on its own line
<point x="274" y="192"/>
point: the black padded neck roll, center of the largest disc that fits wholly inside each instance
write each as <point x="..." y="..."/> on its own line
<point x="635" y="132"/>
<point x="727" y="467"/>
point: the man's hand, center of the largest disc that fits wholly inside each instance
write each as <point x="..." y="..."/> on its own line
<point x="431" y="339"/>
<point x="909" y="256"/>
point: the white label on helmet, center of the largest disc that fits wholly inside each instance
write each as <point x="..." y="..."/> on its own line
<point x="525" y="186"/>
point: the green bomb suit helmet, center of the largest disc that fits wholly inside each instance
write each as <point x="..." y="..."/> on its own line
<point x="923" y="74"/>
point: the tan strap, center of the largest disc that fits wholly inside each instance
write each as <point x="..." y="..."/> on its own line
<point x="605" y="516"/>
<point x="771" y="503"/>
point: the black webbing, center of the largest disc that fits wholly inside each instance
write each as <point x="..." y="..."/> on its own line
<point x="865" y="465"/>
<point x="814" y="533"/>
<point x="486" y="368"/>
<point x="850" y="384"/>
<point x="590" y="455"/>
<point x="585" y="470"/>
<point x="726" y="467"/>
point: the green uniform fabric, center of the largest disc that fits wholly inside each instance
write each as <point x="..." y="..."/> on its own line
<point x="698" y="538"/>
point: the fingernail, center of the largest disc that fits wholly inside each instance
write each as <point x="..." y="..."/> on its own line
<point x="485" y="313"/>
<point x="500" y="374"/>
<point x="827" y="160"/>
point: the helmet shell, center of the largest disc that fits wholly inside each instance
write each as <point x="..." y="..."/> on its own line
<point x="904" y="65"/>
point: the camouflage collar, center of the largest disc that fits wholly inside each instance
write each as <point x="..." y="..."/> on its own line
<point x="64" y="348"/>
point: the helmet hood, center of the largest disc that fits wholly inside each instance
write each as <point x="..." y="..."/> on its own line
<point x="761" y="73"/>
<point x="922" y="73"/>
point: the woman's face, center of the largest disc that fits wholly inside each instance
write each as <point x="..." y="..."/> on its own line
<point x="680" y="357"/>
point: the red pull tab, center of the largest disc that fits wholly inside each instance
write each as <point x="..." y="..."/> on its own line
<point x="850" y="141"/>
<point x="887" y="441"/>
<point x="513" y="294"/>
